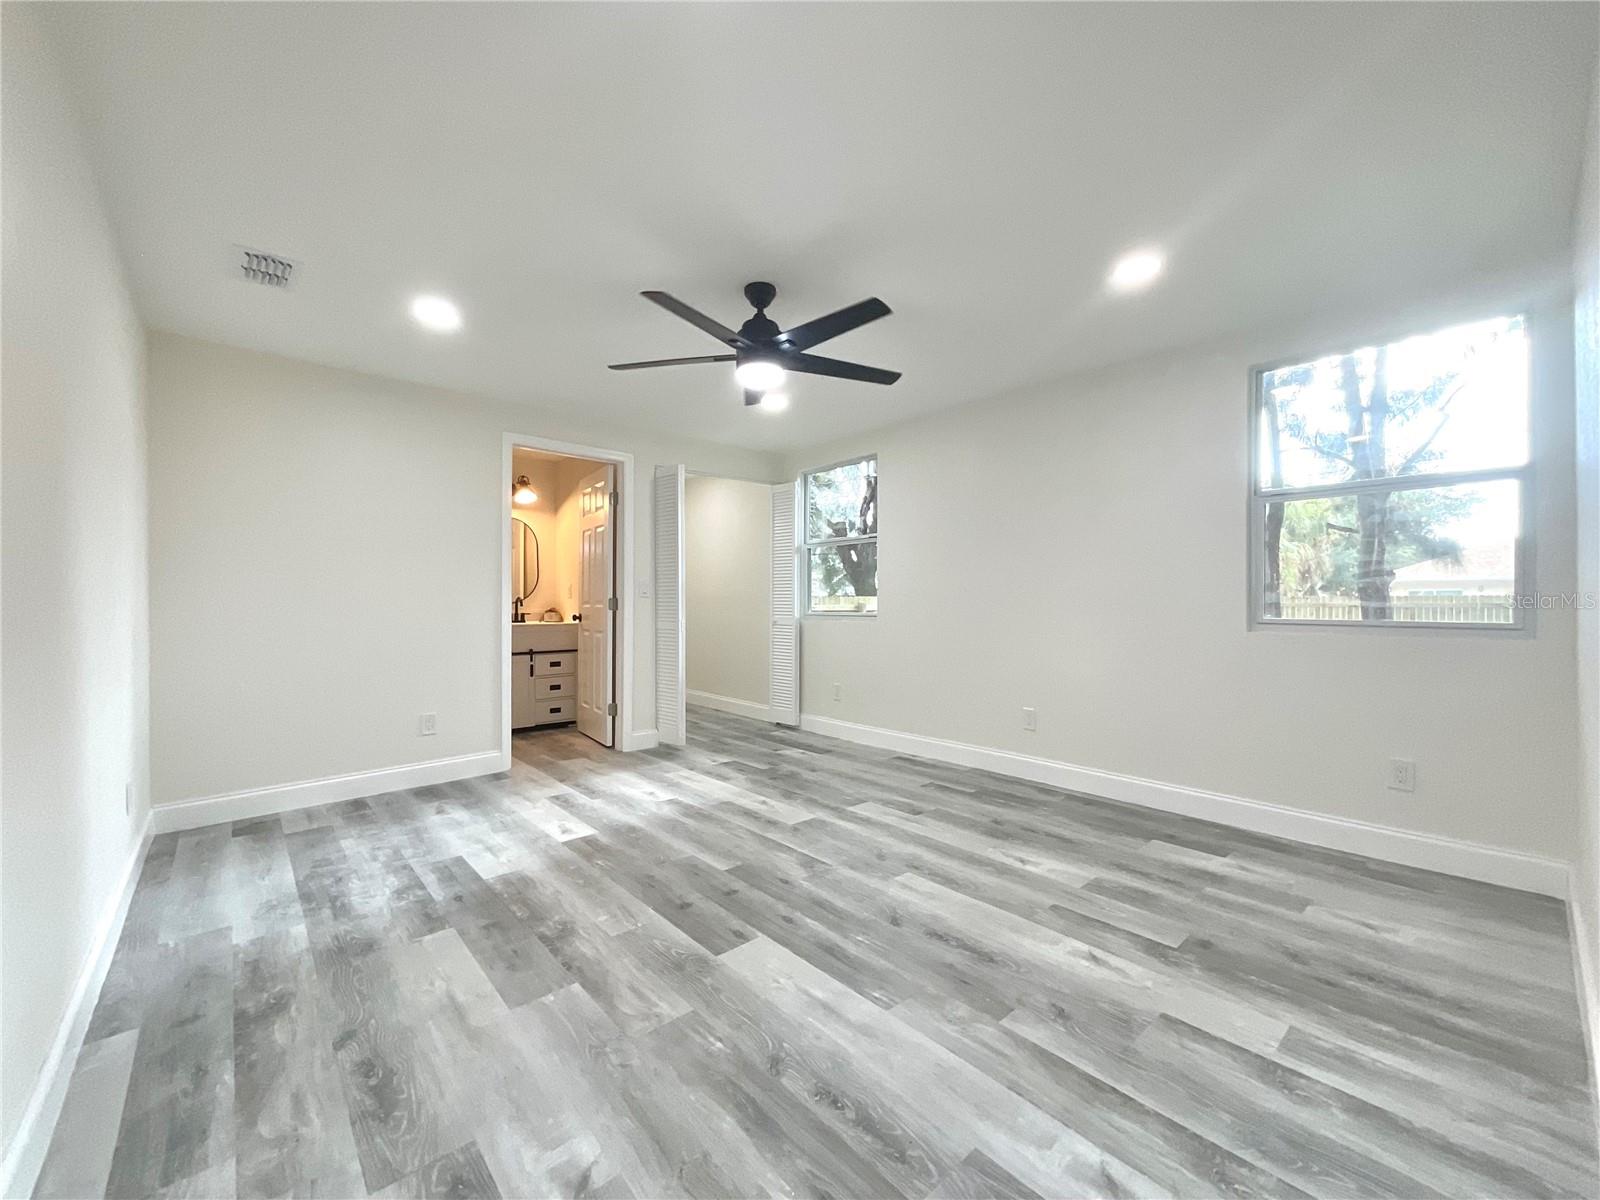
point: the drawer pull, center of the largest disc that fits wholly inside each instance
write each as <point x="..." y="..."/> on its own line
<point x="555" y="687"/>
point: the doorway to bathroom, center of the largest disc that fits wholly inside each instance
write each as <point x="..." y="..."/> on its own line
<point x="568" y="633"/>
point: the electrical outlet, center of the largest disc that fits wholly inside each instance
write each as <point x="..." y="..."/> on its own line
<point x="1402" y="775"/>
<point x="428" y="725"/>
<point x="838" y="691"/>
<point x="1030" y="719"/>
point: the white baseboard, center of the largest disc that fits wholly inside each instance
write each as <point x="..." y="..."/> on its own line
<point x="1470" y="860"/>
<point x="728" y="704"/>
<point x="24" y="1155"/>
<point x="286" y="797"/>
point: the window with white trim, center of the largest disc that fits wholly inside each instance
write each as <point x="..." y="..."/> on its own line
<point x="1389" y="482"/>
<point x="841" y="538"/>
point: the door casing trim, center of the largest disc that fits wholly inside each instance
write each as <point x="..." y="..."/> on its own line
<point x="627" y="738"/>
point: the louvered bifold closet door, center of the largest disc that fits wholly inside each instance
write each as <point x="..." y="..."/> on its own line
<point x="785" y="702"/>
<point x="667" y="543"/>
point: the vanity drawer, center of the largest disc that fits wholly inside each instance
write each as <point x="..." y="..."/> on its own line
<point x="555" y="710"/>
<point x="549" y="687"/>
<point x="563" y="662"/>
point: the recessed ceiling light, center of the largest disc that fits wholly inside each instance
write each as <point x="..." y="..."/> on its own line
<point x="775" y="401"/>
<point x="1138" y="269"/>
<point x="436" y="313"/>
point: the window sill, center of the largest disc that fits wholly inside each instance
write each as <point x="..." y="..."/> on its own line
<point x="1392" y="626"/>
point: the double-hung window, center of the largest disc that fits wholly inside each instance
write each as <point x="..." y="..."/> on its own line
<point x="841" y="538"/>
<point x="1389" y="482"/>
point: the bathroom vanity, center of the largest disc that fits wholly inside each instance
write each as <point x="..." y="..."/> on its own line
<point x="544" y="674"/>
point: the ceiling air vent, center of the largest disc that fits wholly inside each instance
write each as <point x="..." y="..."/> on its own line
<point x="267" y="269"/>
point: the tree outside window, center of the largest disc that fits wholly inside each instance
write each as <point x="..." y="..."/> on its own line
<point x="841" y="538"/>
<point x="1387" y="476"/>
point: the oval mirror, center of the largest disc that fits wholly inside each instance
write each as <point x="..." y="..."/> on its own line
<point x="525" y="567"/>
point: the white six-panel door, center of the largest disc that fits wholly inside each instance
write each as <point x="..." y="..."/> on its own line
<point x="597" y="606"/>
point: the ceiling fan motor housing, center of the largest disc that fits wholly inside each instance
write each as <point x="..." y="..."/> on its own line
<point x="759" y="328"/>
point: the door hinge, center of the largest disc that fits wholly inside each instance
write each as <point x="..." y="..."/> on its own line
<point x="611" y="603"/>
<point x="613" y="502"/>
<point x="611" y="709"/>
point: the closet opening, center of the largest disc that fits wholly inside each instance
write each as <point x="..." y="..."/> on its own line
<point x="727" y="630"/>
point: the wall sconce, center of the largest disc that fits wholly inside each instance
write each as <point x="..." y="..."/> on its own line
<point x="523" y="493"/>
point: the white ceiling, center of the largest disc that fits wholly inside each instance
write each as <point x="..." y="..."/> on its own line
<point x="976" y="166"/>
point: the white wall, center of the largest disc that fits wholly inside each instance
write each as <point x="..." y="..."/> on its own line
<point x="275" y="486"/>
<point x="1586" y="345"/>
<point x="73" y="624"/>
<point x="1081" y="549"/>
<point x="727" y="539"/>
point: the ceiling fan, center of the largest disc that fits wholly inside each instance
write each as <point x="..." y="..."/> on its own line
<point x="764" y="353"/>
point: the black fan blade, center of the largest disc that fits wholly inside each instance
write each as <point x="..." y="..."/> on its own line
<point x="672" y="362"/>
<point x="751" y="397"/>
<point x="815" y="364"/>
<point x="814" y="333"/>
<point x="698" y="319"/>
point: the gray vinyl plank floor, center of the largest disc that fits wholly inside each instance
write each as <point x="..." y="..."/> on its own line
<point x="774" y="964"/>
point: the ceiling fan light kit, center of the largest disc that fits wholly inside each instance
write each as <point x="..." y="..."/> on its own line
<point x="763" y="354"/>
<point x="759" y="374"/>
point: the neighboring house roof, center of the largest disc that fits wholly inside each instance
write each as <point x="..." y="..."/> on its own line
<point x="1495" y="564"/>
